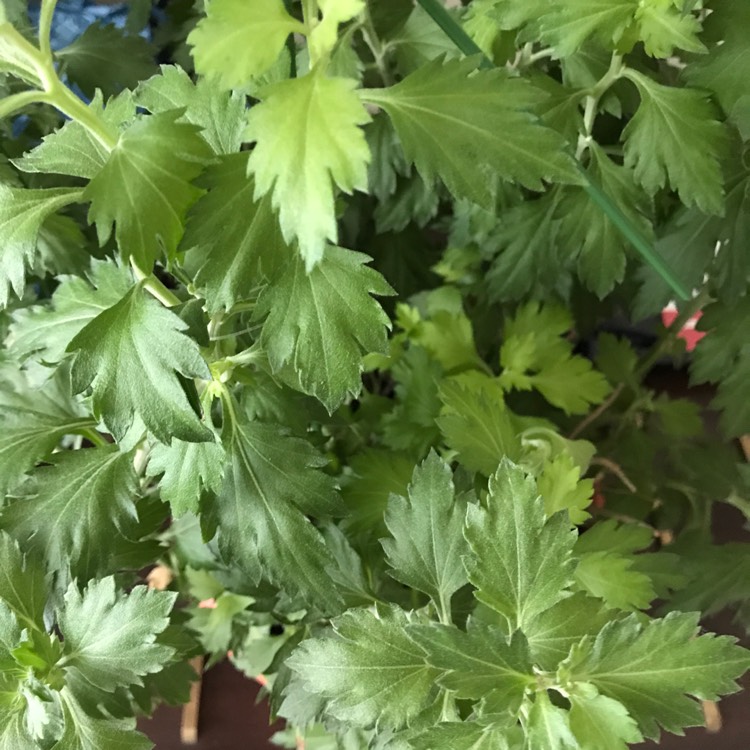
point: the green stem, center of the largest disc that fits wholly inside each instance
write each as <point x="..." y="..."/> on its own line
<point x="11" y="104"/>
<point x="154" y="287"/>
<point x="45" y="27"/>
<point x="376" y="47"/>
<point x="436" y="10"/>
<point x="310" y="14"/>
<point x="62" y="98"/>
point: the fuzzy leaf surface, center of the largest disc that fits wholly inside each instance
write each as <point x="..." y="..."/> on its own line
<point x="427" y="543"/>
<point x="467" y="128"/>
<point x="131" y="355"/>
<point x="521" y="562"/>
<point x="321" y="322"/>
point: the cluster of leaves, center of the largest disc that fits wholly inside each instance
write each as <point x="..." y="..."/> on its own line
<point x="412" y="503"/>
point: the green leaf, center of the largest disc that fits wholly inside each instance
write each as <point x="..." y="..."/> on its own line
<point x="105" y="58"/>
<point x="727" y="66"/>
<point x="573" y="22"/>
<point x="232" y="240"/>
<point x="23" y="587"/>
<point x="45" y="331"/>
<point x="269" y="488"/>
<point x="663" y="28"/>
<point x="562" y="488"/>
<point x="83" y="732"/>
<point x="109" y="637"/>
<point x="33" y="423"/>
<point x="308" y="139"/>
<point x="131" y="355"/>
<point x="723" y="357"/>
<point x="598" y="722"/>
<point x="376" y="475"/>
<point x="75" y="508"/>
<point x="325" y="33"/>
<point x="321" y="323"/>
<point x="427" y="547"/>
<point x="371" y="672"/>
<point x="188" y="470"/>
<point x="587" y="234"/>
<point x="476" y="423"/>
<point x="479" y="663"/>
<point x="144" y="188"/>
<point x="547" y="727"/>
<point x="22" y="213"/>
<point x="675" y="138"/>
<point x="214" y="624"/>
<point x="611" y="577"/>
<point x="552" y="633"/>
<point x="534" y="355"/>
<point x="462" y="735"/>
<point x="411" y="425"/>
<point x="220" y="115"/>
<point x="521" y="561"/>
<point x="652" y="669"/>
<point x="466" y="128"/>
<point x="73" y="150"/>
<point x="238" y="41"/>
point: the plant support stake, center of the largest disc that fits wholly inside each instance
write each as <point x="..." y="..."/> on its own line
<point x="466" y="44"/>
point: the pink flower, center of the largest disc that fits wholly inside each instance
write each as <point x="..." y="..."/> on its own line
<point x="689" y="334"/>
<point x="207" y="604"/>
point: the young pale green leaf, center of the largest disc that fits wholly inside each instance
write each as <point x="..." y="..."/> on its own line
<point x="466" y="127"/>
<point x="308" y="139"/>
<point x="188" y="470"/>
<point x="476" y="423"/>
<point x="110" y="637"/>
<point x="562" y="488"/>
<point x="232" y="240"/>
<point x="144" y="188"/>
<point x="479" y="663"/>
<point x="675" y="138"/>
<point x="214" y="624"/>
<point x="44" y="331"/>
<point x="238" y="41"/>
<point x="662" y="28"/>
<point x="321" y="322"/>
<point x="552" y="633"/>
<point x="84" y="732"/>
<point x="652" y="669"/>
<point x="107" y="59"/>
<point x="75" y="508"/>
<point x="570" y="23"/>
<point x="612" y="577"/>
<point x="325" y="33"/>
<point x="587" y="234"/>
<point x="22" y="213"/>
<point x="270" y="486"/>
<point x="427" y="544"/>
<point x="220" y="115"/>
<point x="598" y="722"/>
<point x="547" y="726"/>
<point x="521" y="562"/>
<point x="23" y="587"/>
<point x="73" y="150"/>
<point x="372" y="673"/>
<point x="132" y="355"/>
